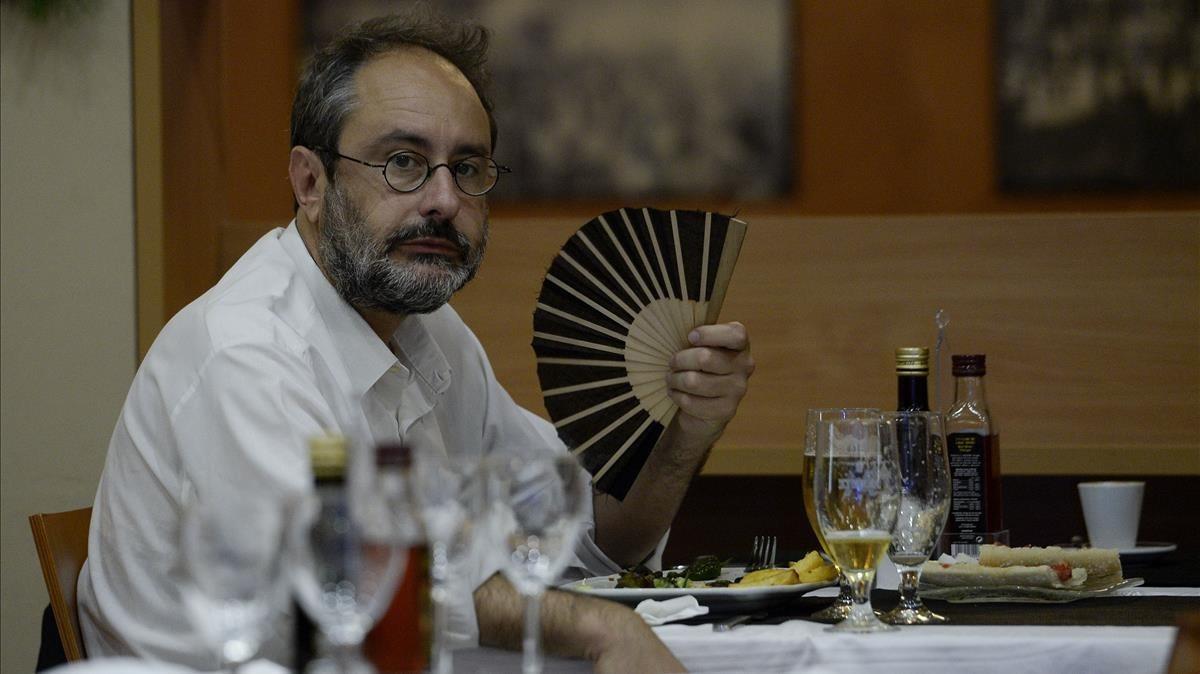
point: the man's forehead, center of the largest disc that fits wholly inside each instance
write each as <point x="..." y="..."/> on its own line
<point x="417" y="82"/>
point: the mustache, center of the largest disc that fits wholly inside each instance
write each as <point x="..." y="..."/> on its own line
<point x="429" y="228"/>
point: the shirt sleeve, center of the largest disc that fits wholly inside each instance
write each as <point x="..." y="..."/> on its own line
<point x="241" y="423"/>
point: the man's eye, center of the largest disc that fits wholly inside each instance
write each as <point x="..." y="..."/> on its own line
<point x="467" y="169"/>
<point x="403" y="161"/>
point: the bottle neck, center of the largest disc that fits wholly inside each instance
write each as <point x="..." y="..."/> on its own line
<point x="912" y="393"/>
<point x="969" y="389"/>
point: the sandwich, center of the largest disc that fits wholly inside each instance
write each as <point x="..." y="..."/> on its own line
<point x="1052" y="567"/>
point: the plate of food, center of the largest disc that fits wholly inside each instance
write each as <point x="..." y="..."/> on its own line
<point x="1029" y="574"/>
<point x="713" y="584"/>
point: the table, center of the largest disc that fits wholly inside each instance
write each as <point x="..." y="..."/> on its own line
<point x="1122" y="635"/>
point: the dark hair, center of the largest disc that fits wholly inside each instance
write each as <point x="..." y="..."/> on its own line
<point x="325" y="95"/>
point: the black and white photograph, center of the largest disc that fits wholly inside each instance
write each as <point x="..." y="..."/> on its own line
<point x="628" y="99"/>
<point x="1099" y="94"/>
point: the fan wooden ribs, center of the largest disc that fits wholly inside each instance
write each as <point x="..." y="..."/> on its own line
<point x="618" y="301"/>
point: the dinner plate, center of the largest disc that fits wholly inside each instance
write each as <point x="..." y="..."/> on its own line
<point x="715" y="598"/>
<point x="1023" y="594"/>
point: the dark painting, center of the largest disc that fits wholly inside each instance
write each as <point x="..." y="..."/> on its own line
<point x="1099" y="94"/>
<point x="628" y="99"/>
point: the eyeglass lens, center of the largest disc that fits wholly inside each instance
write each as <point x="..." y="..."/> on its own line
<point x="407" y="171"/>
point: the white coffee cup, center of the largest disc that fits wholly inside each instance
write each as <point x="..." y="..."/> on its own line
<point x="1111" y="511"/>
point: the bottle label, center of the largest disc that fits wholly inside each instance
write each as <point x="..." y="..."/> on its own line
<point x="968" y="458"/>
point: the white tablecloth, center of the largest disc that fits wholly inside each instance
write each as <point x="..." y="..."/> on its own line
<point x="802" y="646"/>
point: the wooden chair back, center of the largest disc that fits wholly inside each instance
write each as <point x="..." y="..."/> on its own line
<point x="62" y="546"/>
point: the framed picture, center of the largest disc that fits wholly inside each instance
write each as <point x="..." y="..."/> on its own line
<point x="627" y="99"/>
<point x="1098" y="94"/>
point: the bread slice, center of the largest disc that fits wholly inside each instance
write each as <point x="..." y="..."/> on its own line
<point x="971" y="574"/>
<point x="1103" y="565"/>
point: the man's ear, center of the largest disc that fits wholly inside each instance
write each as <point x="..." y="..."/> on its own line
<point x="307" y="175"/>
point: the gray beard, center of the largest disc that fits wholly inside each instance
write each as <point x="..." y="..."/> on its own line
<point x="360" y="270"/>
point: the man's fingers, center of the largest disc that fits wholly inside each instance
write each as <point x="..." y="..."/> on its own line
<point x="713" y="361"/>
<point x="707" y="385"/>
<point x="721" y="335"/>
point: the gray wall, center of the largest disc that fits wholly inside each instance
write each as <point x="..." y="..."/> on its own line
<point x="67" y="245"/>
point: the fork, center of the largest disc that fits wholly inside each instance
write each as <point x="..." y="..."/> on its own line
<point x="762" y="554"/>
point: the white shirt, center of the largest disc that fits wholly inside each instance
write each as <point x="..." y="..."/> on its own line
<point x="231" y="391"/>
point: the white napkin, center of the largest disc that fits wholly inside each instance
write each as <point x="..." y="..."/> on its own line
<point x="656" y="612"/>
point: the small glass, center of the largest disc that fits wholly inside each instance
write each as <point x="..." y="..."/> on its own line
<point x="537" y="504"/>
<point x="840" y="608"/>
<point x="231" y="546"/>
<point x="924" y="506"/>
<point x="349" y="556"/>
<point x="449" y="497"/>
<point x="856" y="487"/>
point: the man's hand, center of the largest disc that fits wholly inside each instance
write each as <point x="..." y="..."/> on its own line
<point x="708" y="381"/>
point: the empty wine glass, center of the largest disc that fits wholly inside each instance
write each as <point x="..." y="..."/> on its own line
<point x="857" y="493"/>
<point x="924" y="505"/>
<point x="537" y="504"/>
<point x="232" y="549"/>
<point x="449" y="496"/>
<point x="349" y="555"/>
<point x="840" y="608"/>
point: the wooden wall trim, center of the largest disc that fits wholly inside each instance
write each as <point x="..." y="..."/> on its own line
<point x="147" y="170"/>
<point x="1015" y="461"/>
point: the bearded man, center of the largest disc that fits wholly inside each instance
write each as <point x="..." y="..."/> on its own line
<point x="339" y="322"/>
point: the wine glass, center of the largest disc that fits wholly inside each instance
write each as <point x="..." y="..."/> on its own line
<point x="924" y="506"/>
<point x="856" y="487"/>
<point x="840" y="608"/>
<point x="537" y="504"/>
<point x="231" y="546"/>
<point x="448" y="494"/>
<point x="349" y="555"/>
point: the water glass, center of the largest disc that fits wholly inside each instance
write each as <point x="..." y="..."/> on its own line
<point x="924" y="505"/>
<point x="348" y="556"/>
<point x="448" y="495"/>
<point x="232" y="553"/>
<point x="537" y="505"/>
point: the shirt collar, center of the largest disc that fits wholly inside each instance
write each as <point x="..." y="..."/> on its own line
<point x="365" y="357"/>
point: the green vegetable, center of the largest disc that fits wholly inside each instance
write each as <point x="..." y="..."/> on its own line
<point x="705" y="567"/>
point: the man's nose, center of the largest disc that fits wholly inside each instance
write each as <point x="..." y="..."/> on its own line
<point x="440" y="196"/>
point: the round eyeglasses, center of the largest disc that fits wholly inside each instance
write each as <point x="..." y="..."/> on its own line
<point x="407" y="171"/>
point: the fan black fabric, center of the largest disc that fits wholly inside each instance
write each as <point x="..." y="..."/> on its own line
<point x="617" y="302"/>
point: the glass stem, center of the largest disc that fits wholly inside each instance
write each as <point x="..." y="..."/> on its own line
<point x="910" y="579"/>
<point x="860" y="585"/>
<point x="531" y="661"/>
<point x="440" y="594"/>
<point x="346" y="656"/>
<point x="845" y="595"/>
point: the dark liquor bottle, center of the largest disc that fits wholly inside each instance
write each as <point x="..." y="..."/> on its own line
<point x="400" y="640"/>
<point x="912" y="379"/>
<point x="327" y="455"/>
<point x="977" y="504"/>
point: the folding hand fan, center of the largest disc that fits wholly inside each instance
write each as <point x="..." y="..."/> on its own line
<point x="617" y="302"/>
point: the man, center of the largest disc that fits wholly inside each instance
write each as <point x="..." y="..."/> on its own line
<point x="340" y="322"/>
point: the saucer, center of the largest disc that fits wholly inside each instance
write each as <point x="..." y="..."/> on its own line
<point x="1144" y="551"/>
<point x="1147" y="550"/>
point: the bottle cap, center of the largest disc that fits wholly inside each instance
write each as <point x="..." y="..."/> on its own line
<point x="973" y="365"/>
<point x="912" y="360"/>
<point x="393" y="455"/>
<point x="327" y="454"/>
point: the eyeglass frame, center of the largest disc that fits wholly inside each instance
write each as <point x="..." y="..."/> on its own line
<point x="429" y="169"/>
